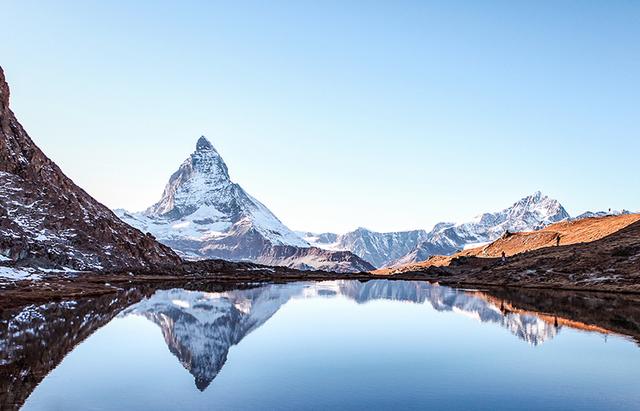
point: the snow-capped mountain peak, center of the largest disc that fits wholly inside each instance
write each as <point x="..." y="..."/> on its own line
<point x="204" y="145"/>
<point x="537" y="210"/>
<point x="203" y="214"/>
<point x="532" y="212"/>
<point x="201" y="203"/>
<point x="202" y="179"/>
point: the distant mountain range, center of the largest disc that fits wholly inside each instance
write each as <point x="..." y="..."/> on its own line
<point x="203" y="214"/>
<point x="388" y="249"/>
<point x="377" y="248"/>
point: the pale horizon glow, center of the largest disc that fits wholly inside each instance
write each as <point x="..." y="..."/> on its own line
<point x="337" y="115"/>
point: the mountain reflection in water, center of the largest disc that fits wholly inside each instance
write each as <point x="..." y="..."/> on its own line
<point x="199" y="327"/>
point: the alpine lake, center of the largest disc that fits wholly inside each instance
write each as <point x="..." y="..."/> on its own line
<point x="343" y="345"/>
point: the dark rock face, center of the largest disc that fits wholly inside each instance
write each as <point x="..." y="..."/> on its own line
<point x="48" y="221"/>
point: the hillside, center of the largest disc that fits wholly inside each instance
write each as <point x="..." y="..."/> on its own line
<point x="570" y="232"/>
<point x="48" y="221"/>
<point x="610" y="261"/>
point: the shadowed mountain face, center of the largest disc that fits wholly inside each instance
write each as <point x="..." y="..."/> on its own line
<point x="48" y="221"/>
<point x="377" y="248"/>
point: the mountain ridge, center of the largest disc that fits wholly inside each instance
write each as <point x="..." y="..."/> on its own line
<point x="397" y="248"/>
<point x="50" y="222"/>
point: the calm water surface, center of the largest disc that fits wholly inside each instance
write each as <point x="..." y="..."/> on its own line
<point x="340" y="344"/>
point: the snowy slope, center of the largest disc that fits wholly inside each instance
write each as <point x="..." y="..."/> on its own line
<point x="529" y="213"/>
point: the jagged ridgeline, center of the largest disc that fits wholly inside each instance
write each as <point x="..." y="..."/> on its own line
<point x="396" y="248"/>
<point x="48" y="221"/>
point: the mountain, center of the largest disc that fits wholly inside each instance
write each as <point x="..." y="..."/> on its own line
<point x="313" y="258"/>
<point x="398" y="248"/>
<point x="377" y="248"/>
<point x="48" y="221"/>
<point x="596" y="254"/>
<point x="529" y="213"/>
<point x="203" y="214"/>
<point x="564" y="233"/>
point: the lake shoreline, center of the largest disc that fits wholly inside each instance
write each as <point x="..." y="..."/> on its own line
<point x="57" y="287"/>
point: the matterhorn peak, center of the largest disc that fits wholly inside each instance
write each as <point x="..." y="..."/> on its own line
<point x="204" y="144"/>
<point x="208" y="161"/>
<point x="203" y="214"/>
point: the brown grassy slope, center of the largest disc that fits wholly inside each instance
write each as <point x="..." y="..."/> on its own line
<point x="611" y="263"/>
<point x="570" y="232"/>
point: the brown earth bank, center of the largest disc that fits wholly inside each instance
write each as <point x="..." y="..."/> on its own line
<point x="54" y="287"/>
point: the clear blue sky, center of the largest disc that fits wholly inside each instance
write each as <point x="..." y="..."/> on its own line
<point x="389" y="115"/>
